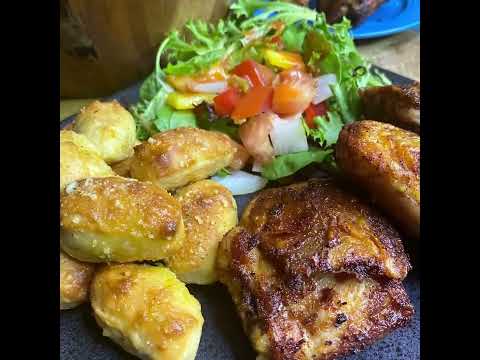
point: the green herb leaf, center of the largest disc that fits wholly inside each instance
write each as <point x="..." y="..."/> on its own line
<point x="327" y="130"/>
<point x="207" y="119"/>
<point x="223" y="173"/>
<point x="294" y="36"/>
<point x="285" y="165"/>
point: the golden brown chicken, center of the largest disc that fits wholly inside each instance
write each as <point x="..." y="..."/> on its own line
<point x="384" y="160"/>
<point x="175" y="158"/>
<point x="396" y="105"/>
<point x="209" y="212"/>
<point x="75" y="278"/>
<point x="119" y="219"/>
<point x="314" y="273"/>
<point x="147" y="311"/>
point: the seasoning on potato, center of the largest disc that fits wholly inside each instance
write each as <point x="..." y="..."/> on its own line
<point x="175" y="158"/>
<point x="118" y="219"/>
<point x="75" y="278"/>
<point x="209" y="212"/>
<point x="147" y="311"/>
<point x="110" y="127"/>
<point x="79" y="159"/>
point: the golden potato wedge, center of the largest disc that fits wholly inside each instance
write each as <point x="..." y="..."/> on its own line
<point x="175" y="158"/>
<point x="147" y="311"/>
<point x="209" y="212"/>
<point x="75" y="278"/>
<point x="110" y="127"/>
<point x="79" y="159"/>
<point x="118" y="219"/>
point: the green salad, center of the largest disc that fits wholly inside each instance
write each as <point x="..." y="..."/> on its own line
<point x="274" y="76"/>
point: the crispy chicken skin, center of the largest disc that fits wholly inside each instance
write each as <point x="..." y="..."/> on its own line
<point x="175" y="158"/>
<point x="75" y="278"/>
<point x="147" y="311"/>
<point x="397" y="105"/>
<point x="314" y="273"/>
<point x="209" y="212"/>
<point x="118" y="219"/>
<point x="384" y="160"/>
<point x="110" y="127"/>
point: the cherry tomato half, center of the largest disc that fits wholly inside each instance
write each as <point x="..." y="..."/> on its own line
<point x="225" y="102"/>
<point x="314" y="110"/>
<point x="257" y="74"/>
<point x="258" y="99"/>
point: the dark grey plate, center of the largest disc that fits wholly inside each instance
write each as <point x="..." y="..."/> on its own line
<point x="222" y="337"/>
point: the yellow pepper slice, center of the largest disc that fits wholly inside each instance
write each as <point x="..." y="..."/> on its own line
<point x="187" y="101"/>
<point x="283" y="59"/>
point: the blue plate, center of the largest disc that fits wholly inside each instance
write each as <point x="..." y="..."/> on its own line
<point x="392" y="17"/>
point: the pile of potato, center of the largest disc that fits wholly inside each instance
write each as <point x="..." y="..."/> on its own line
<point x="124" y="203"/>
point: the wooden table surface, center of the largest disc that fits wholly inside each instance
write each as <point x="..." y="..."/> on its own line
<point x="398" y="53"/>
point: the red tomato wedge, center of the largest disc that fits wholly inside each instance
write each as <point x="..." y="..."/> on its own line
<point x="314" y="110"/>
<point x="293" y="93"/>
<point x="256" y="100"/>
<point x="225" y="102"/>
<point x="257" y="74"/>
<point x="254" y="136"/>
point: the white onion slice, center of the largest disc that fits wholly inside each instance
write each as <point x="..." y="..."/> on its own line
<point x="288" y="135"/>
<point x="240" y="182"/>
<point x="257" y="166"/>
<point x="210" y="87"/>
<point x="322" y="87"/>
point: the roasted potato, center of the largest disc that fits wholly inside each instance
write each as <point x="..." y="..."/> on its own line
<point x="75" y="278"/>
<point x="175" y="158"/>
<point x="147" y="311"/>
<point x="79" y="159"/>
<point x="385" y="161"/>
<point x="110" y="127"/>
<point x="118" y="219"/>
<point x="79" y="140"/>
<point x="209" y="212"/>
<point x="122" y="168"/>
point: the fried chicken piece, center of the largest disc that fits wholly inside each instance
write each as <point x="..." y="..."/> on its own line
<point x="314" y="273"/>
<point x="384" y="160"/>
<point x="397" y="105"/>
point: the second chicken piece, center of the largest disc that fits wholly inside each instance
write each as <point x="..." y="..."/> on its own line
<point x="384" y="160"/>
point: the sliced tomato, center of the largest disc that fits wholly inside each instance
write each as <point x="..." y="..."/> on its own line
<point x="225" y="102"/>
<point x="257" y="74"/>
<point x="314" y="110"/>
<point x="293" y="93"/>
<point x="258" y="99"/>
<point x="254" y="136"/>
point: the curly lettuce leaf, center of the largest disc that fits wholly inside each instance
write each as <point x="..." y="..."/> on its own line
<point x="327" y="129"/>
<point x="288" y="164"/>
<point x="209" y="43"/>
<point x="293" y="37"/>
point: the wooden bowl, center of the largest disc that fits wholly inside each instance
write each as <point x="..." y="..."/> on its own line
<point x="106" y="45"/>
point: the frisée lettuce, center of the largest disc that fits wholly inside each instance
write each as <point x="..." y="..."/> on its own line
<point x="244" y="35"/>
